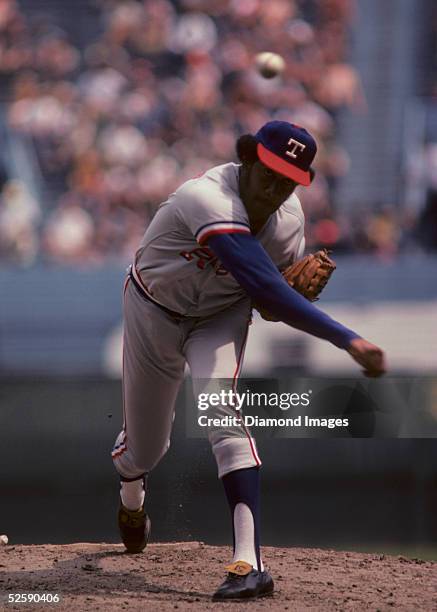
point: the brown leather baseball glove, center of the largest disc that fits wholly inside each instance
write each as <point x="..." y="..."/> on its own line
<point x="308" y="276"/>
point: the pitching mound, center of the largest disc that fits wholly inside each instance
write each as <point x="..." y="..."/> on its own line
<point x="183" y="575"/>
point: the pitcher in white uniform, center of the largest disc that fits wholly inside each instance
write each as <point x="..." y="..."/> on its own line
<point x="215" y="246"/>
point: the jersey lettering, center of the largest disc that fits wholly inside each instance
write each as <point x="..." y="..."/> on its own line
<point x="204" y="257"/>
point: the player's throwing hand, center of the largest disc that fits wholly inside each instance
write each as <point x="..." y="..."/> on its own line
<point x="368" y="355"/>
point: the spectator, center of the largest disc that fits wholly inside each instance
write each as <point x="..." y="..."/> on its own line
<point x="19" y="217"/>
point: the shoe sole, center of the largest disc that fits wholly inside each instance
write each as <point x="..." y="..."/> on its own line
<point x="223" y="599"/>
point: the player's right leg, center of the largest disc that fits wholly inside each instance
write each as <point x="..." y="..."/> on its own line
<point x="214" y="351"/>
<point x="153" y="369"/>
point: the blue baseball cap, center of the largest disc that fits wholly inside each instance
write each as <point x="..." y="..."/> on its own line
<point x="288" y="149"/>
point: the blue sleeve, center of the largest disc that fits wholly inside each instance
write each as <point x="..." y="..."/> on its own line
<point x="243" y="256"/>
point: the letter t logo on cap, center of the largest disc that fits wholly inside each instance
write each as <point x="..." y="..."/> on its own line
<point x="297" y="145"/>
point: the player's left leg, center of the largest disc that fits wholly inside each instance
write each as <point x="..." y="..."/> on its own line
<point x="214" y="351"/>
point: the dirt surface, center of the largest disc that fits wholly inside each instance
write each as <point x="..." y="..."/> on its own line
<point x="181" y="576"/>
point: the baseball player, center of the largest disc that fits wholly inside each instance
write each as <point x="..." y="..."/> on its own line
<point x="216" y="246"/>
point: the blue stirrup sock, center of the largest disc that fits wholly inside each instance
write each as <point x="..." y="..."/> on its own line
<point x="242" y="492"/>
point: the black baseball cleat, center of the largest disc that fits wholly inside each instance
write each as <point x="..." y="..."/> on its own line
<point x="244" y="582"/>
<point x="134" y="526"/>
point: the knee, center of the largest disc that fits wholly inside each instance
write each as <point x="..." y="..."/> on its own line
<point x="132" y="459"/>
<point x="235" y="453"/>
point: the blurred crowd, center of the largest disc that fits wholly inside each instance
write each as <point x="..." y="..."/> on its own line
<point x="159" y="95"/>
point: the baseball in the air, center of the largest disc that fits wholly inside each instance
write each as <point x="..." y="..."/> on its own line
<point x="4" y="539"/>
<point x="269" y="64"/>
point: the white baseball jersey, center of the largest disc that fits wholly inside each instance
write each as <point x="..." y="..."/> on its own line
<point x="173" y="262"/>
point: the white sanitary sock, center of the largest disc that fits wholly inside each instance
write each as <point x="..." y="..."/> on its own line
<point x="244" y="531"/>
<point x="132" y="494"/>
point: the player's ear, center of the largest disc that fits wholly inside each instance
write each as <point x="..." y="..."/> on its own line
<point x="312" y="174"/>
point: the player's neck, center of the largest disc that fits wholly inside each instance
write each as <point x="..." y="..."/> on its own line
<point x="257" y="223"/>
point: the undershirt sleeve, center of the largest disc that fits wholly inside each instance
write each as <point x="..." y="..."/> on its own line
<point x="244" y="257"/>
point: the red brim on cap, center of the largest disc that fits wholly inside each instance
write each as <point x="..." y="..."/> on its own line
<point x="276" y="163"/>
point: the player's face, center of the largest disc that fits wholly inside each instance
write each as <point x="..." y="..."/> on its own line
<point x="264" y="190"/>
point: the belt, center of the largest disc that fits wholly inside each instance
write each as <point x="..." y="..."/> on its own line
<point x="146" y="296"/>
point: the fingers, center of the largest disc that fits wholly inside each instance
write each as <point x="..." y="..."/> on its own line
<point x="373" y="373"/>
<point x="368" y="355"/>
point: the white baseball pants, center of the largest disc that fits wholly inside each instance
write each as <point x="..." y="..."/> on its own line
<point x="156" y="347"/>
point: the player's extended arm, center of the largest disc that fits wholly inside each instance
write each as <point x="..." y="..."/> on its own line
<point x="245" y="258"/>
